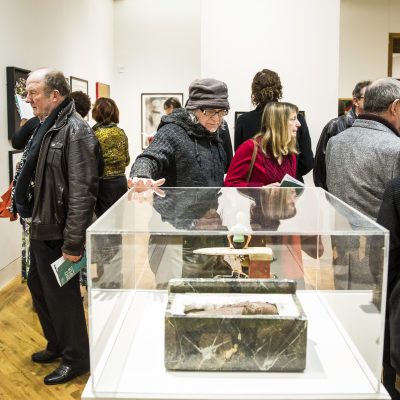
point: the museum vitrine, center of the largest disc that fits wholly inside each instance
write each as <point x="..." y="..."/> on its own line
<point x="230" y="249"/>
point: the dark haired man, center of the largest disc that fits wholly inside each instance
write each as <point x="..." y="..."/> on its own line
<point x="335" y="126"/>
<point x="56" y="186"/>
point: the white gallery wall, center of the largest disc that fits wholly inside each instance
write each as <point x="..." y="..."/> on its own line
<point x="156" y="50"/>
<point x="364" y="34"/>
<point x="75" y="36"/>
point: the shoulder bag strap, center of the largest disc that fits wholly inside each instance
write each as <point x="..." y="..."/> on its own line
<point x="253" y="159"/>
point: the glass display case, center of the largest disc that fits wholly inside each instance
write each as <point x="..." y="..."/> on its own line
<point x="336" y="256"/>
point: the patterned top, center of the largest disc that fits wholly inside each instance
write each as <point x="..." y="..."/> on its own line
<point x="114" y="144"/>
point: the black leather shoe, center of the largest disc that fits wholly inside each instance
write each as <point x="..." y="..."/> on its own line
<point x="45" y="356"/>
<point x="64" y="373"/>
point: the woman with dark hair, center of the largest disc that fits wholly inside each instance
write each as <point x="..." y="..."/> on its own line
<point x="82" y="102"/>
<point x="114" y="144"/>
<point x="271" y="154"/>
<point x="266" y="88"/>
<point x="171" y="104"/>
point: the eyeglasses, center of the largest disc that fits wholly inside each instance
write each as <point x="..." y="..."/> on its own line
<point x="211" y="113"/>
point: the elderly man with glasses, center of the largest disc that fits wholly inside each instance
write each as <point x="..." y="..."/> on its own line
<point x="187" y="149"/>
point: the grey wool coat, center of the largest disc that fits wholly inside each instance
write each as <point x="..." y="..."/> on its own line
<point x="360" y="161"/>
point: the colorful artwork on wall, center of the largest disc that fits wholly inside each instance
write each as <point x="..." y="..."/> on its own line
<point x="344" y="105"/>
<point x="102" y="90"/>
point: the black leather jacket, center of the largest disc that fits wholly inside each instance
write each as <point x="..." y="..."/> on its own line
<point x="66" y="182"/>
<point x="331" y="129"/>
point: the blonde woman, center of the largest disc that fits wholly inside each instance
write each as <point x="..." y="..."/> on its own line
<point x="275" y="150"/>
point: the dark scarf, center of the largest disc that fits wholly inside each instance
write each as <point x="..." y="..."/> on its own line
<point x="24" y="182"/>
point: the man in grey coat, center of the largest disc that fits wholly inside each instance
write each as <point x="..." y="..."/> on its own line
<point x="359" y="162"/>
<point x="361" y="159"/>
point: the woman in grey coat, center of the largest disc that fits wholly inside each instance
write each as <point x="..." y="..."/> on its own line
<point x="187" y="149"/>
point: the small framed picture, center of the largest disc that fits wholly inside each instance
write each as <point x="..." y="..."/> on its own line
<point x="17" y="107"/>
<point x="78" y="84"/>
<point x="344" y="106"/>
<point x="14" y="157"/>
<point x="238" y="114"/>
<point x="102" y="90"/>
<point x="152" y="111"/>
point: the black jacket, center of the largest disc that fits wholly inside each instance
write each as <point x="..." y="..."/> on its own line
<point x="22" y="135"/>
<point x="332" y="128"/>
<point x="184" y="153"/>
<point x="66" y="182"/>
<point x="248" y="124"/>
<point x="389" y="217"/>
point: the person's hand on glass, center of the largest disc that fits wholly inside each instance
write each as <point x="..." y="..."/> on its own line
<point x="142" y="189"/>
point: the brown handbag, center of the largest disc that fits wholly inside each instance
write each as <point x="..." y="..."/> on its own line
<point x="253" y="160"/>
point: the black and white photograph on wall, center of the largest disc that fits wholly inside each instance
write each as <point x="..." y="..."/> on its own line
<point x="152" y="111"/>
<point x="14" y="157"/>
<point x="17" y="108"/>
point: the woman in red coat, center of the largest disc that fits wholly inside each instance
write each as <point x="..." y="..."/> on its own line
<point x="276" y="149"/>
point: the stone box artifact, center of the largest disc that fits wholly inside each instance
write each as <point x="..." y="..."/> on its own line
<point x="234" y="325"/>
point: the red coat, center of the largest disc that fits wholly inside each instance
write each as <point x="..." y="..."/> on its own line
<point x="266" y="170"/>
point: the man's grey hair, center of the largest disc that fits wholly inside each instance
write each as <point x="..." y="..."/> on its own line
<point x="54" y="80"/>
<point x="380" y="94"/>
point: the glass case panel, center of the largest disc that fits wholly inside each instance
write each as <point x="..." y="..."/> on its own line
<point x="336" y="256"/>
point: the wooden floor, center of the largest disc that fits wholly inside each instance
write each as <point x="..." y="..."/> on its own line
<point x="20" y="336"/>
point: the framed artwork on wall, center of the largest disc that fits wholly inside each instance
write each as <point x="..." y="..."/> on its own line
<point x="152" y="111"/>
<point x="14" y="157"/>
<point x="102" y="90"/>
<point x="237" y="115"/>
<point x="344" y="105"/>
<point x="78" y="84"/>
<point x="17" y="107"/>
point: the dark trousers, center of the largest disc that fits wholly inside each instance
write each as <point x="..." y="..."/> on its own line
<point x="60" y="309"/>
<point x="110" y="190"/>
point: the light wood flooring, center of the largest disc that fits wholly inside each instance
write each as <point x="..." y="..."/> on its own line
<point x="20" y="336"/>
